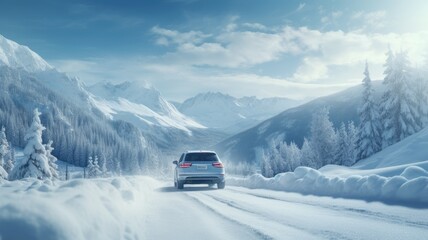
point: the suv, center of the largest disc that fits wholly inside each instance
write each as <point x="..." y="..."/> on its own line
<point x="199" y="167"/>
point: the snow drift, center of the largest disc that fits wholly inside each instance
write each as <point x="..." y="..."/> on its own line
<point x="76" y="209"/>
<point x="409" y="188"/>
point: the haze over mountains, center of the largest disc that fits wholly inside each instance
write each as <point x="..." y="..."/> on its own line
<point x="232" y="115"/>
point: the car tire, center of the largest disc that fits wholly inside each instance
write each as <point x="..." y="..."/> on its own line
<point x="221" y="185"/>
<point x="180" y="185"/>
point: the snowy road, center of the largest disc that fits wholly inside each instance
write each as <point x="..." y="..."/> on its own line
<point x="141" y="207"/>
<point x="239" y="213"/>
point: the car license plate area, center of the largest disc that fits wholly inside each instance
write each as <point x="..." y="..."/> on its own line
<point x="201" y="167"/>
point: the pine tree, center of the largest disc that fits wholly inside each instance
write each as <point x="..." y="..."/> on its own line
<point x="266" y="167"/>
<point x="421" y="94"/>
<point x="103" y="165"/>
<point x="294" y="156"/>
<point x="93" y="168"/>
<point x="52" y="159"/>
<point x="341" y="152"/>
<point x="351" y="142"/>
<point x="308" y="157"/>
<point x="323" y="138"/>
<point x="10" y="162"/>
<point x="369" y="131"/>
<point x="398" y="107"/>
<point x="4" y="152"/>
<point x="35" y="163"/>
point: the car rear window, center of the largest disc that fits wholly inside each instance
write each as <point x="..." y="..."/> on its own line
<point x="195" y="157"/>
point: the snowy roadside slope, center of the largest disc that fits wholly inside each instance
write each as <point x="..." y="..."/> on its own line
<point x="392" y="161"/>
<point x="76" y="209"/>
<point x="397" y="174"/>
<point x="412" y="149"/>
<point x="409" y="188"/>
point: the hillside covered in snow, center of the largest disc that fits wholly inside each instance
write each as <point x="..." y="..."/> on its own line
<point x="398" y="175"/>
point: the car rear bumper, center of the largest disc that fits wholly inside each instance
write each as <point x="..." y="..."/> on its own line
<point x="200" y="179"/>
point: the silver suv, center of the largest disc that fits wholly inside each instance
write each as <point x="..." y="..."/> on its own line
<point x="199" y="167"/>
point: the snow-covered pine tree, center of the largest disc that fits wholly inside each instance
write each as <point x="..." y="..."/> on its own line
<point x="323" y="137"/>
<point x="398" y="107"/>
<point x="110" y="164"/>
<point x="10" y="162"/>
<point x="341" y="152"/>
<point x="34" y="163"/>
<point x="421" y="94"/>
<point x="282" y="159"/>
<point x="352" y="138"/>
<point x="266" y="166"/>
<point x="369" y="131"/>
<point x="97" y="166"/>
<point x="52" y="159"/>
<point x="91" y="168"/>
<point x="4" y="152"/>
<point x="294" y="156"/>
<point x="103" y="165"/>
<point x="308" y="157"/>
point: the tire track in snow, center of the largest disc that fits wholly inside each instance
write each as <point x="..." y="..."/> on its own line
<point x="263" y="226"/>
<point x="259" y="234"/>
<point x="360" y="212"/>
<point x="324" y="233"/>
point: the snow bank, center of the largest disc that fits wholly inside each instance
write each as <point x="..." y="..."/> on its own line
<point x="411" y="187"/>
<point x="76" y="209"/>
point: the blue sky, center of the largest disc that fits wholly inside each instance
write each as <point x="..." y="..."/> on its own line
<point x="297" y="49"/>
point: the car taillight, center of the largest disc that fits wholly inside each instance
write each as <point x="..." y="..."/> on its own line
<point x="185" y="165"/>
<point x="218" y="164"/>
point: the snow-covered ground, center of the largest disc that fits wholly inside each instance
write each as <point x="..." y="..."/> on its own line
<point x="144" y="208"/>
<point x="398" y="174"/>
<point x="76" y="209"/>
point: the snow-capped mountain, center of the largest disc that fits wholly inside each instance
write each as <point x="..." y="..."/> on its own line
<point x="139" y="104"/>
<point x="76" y="127"/>
<point x="161" y="123"/>
<point x="16" y="56"/>
<point x="21" y="57"/>
<point x="75" y="130"/>
<point x="293" y="124"/>
<point x="230" y="114"/>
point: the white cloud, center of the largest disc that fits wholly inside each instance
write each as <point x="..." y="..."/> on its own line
<point x="255" y="26"/>
<point x="229" y="49"/>
<point x="318" y="51"/>
<point x="300" y="7"/>
<point x="347" y="50"/>
<point x="311" y="69"/>
<point x="167" y="35"/>
<point x="375" y="19"/>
